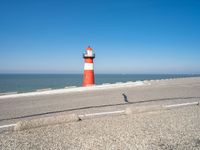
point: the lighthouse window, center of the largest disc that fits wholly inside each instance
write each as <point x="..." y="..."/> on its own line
<point x="89" y="53"/>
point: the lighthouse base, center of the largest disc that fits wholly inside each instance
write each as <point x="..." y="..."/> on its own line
<point x="88" y="78"/>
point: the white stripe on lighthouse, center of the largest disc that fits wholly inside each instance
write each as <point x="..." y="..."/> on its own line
<point x="88" y="66"/>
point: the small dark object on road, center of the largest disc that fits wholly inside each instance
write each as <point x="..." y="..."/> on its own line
<point x="125" y="98"/>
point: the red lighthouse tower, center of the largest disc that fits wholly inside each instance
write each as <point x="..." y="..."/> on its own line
<point x="88" y="56"/>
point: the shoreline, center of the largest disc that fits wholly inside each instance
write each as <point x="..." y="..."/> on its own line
<point x="32" y="83"/>
<point x="105" y="86"/>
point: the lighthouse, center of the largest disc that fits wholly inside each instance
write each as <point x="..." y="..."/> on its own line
<point x="88" y="78"/>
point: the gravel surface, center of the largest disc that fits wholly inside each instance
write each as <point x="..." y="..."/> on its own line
<point x="172" y="129"/>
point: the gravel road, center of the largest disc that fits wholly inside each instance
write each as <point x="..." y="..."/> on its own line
<point x="170" y="129"/>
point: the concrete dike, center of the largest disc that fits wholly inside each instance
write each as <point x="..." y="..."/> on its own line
<point x="95" y="101"/>
<point x="35" y="123"/>
<point x="61" y="119"/>
<point x="50" y="91"/>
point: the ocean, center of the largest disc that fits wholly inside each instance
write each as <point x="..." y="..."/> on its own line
<point x="31" y="82"/>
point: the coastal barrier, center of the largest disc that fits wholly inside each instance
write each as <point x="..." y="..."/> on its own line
<point x="46" y="121"/>
<point x="28" y="124"/>
<point x="70" y="89"/>
<point x="76" y="89"/>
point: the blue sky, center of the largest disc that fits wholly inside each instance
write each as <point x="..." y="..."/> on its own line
<point x="143" y="36"/>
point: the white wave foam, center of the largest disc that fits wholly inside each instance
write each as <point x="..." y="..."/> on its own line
<point x="77" y="89"/>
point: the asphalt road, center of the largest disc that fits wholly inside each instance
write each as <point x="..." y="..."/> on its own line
<point x="159" y="92"/>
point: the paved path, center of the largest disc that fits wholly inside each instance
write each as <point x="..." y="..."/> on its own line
<point x="178" y="90"/>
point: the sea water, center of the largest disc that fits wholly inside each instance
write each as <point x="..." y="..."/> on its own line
<point x="32" y="82"/>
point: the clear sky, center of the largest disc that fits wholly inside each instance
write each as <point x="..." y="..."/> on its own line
<point x="128" y="36"/>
